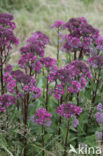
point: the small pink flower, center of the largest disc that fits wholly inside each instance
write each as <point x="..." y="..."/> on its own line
<point x="26" y="88"/>
<point x="42" y="117"/>
<point x="57" y="24"/>
<point x="5" y="101"/>
<point x="68" y="110"/>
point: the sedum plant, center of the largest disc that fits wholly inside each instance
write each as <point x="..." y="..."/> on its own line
<point x="47" y="104"/>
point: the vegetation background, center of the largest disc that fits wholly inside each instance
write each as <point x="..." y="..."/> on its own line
<point x="33" y="15"/>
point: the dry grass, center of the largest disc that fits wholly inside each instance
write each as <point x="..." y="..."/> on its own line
<point x="42" y="13"/>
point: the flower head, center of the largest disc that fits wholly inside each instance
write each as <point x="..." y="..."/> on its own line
<point x="9" y="68"/>
<point x="33" y="51"/>
<point x="35" y="44"/>
<point x="99" y="43"/>
<point x="7" y="16"/>
<point x="82" y="37"/>
<point x="80" y="27"/>
<point x="7" y="38"/>
<point x="99" y="114"/>
<point x="96" y="61"/>
<point x="42" y="117"/>
<point x="5" y="21"/>
<point x="99" y="117"/>
<point x="71" y="78"/>
<point x="38" y="35"/>
<point x="5" y="101"/>
<point x="75" y="122"/>
<point x="98" y="135"/>
<point x="58" y="91"/>
<point x="74" y="87"/>
<point x="100" y="107"/>
<point x="68" y="110"/>
<point x="49" y="63"/>
<point x="57" y="24"/>
<point x="27" y="83"/>
<point x="19" y="76"/>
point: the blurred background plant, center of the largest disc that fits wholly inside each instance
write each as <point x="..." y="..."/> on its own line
<point x="87" y="1"/>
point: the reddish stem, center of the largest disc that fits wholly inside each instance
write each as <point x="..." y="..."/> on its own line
<point x="30" y="71"/>
<point x="71" y="97"/>
<point x="80" y="54"/>
<point x="75" y="57"/>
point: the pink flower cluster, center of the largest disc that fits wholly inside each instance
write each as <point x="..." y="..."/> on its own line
<point x="7" y="37"/>
<point x="99" y="114"/>
<point x="5" y="101"/>
<point x="75" y="70"/>
<point x="27" y="83"/>
<point x="6" y="15"/>
<point x="10" y="82"/>
<point x="99" y="43"/>
<point x="8" y="68"/>
<point x="74" y="44"/>
<point x="80" y="69"/>
<point x="99" y="107"/>
<point x="74" y="87"/>
<point x="42" y="117"/>
<point x="68" y="110"/>
<point x="58" y="91"/>
<point x="5" y="21"/>
<point x="27" y="60"/>
<point x="82" y="36"/>
<point x="36" y="44"/>
<point x="38" y="66"/>
<point x="57" y="24"/>
<point x="72" y="76"/>
<point x="79" y="27"/>
<point x="49" y="63"/>
<point x="96" y="61"/>
<point x="31" y="53"/>
<point x="38" y="35"/>
<point x="75" y="122"/>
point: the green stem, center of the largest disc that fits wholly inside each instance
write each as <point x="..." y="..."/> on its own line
<point x="58" y="45"/>
<point x="76" y="146"/>
<point x="7" y="122"/>
<point x="92" y="102"/>
<point x="75" y="57"/>
<point x="1" y="73"/>
<point x="26" y="102"/>
<point x="66" y="140"/>
<point x="60" y="120"/>
<point x="102" y="138"/>
<point x="47" y="95"/>
<point x="43" y="140"/>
